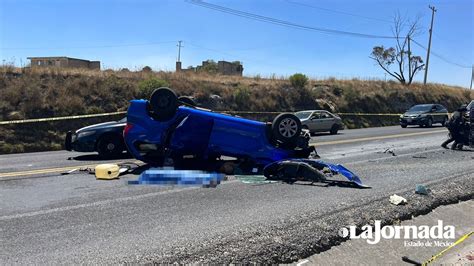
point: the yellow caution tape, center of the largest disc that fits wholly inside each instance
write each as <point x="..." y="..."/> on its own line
<point x="49" y="119"/>
<point x="460" y="240"/>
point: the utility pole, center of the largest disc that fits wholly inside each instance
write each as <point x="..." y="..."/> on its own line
<point x="409" y="59"/>
<point x="178" y="62"/>
<point x="472" y="76"/>
<point x="179" y="50"/>
<point x="433" y="10"/>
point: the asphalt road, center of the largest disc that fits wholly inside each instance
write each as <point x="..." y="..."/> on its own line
<point x="49" y="218"/>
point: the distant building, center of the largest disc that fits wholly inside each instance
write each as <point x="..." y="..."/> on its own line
<point x="63" y="62"/>
<point x="221" y="67"/>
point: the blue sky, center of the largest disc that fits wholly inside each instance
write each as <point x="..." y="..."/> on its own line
<point x="136" y="33"/>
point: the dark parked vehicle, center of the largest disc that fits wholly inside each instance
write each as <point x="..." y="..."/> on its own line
<point x="424" y="115"/>
<point x="105" y="138"/>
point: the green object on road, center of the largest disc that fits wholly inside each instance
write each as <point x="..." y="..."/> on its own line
<point x="420" y="189"/>
<point x="253" y="179"/>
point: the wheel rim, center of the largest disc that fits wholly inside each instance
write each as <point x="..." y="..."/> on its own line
<point x="110" y="146"/>
<point x="288" y="128"/>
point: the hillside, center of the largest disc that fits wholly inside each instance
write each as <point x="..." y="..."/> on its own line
<point x="52" y="92"/>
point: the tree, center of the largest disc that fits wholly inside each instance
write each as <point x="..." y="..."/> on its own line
<point x="146" y="69"/>
<point x="407" y="65"/>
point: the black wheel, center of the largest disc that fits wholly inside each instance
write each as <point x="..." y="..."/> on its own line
<point x="429" y="123"/>
<point x="110" y="146"/>
<point x="164" y="103"/>
<point x="286" y="128"/>
<point x="445" y="120"/>
<point x="334" y="129"/>
<point x="187" y="101"/>
<point x="403" y="125"/>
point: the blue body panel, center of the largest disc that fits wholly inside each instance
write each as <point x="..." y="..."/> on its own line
<point x="203" y="133"/>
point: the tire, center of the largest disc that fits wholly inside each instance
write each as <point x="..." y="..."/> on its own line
<point x="429" y="123"/>
<point x="187" y="101"/>
<point x="403" y="125"/>
<point x="334" y="129"/>
<point x="110" y="146"/>
<point x="164" y="104"/>
<point x="286" y="128"/>
<point x="445" y="121"/>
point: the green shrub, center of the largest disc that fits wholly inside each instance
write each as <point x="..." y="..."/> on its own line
<point x="242" y="96"/>
<point x="146" y="87"/>
<point x="298" y="80"/>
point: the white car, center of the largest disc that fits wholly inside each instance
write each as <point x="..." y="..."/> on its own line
<point x="320" y="121"/>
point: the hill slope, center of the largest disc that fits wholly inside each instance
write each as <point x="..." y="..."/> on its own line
<point x="53" y="92"/>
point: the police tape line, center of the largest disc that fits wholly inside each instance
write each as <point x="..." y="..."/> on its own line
<point x="50" y="119"/>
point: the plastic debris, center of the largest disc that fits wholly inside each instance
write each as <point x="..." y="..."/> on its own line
<point x="398" y="200"/>
<point x="107" y="171"/>
<point x="254" y="179"/>
<point x="389" y="151"/>
<point x="420" y="189"/>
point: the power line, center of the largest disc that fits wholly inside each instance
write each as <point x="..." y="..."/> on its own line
<point x="337" y="11"/>
<point x="440" y="56"/>
<point x="283" y="22"/>
<point x="87" y="47"/>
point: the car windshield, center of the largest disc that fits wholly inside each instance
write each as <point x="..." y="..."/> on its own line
<point x="420" y="108"/>
<point x="303" y="115"/>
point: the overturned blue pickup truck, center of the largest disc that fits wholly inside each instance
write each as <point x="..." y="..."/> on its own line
<point x="166" y="128"/>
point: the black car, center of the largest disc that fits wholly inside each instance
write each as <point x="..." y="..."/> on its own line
<point x="105" y="138"/>
<point x="424" y="115"/>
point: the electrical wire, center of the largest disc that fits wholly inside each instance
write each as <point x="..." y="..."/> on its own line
<point x="440" y="56"/>
<point x="87" y="47"/>
<point x="283" y="22"/>
<point x="337" y="11"/>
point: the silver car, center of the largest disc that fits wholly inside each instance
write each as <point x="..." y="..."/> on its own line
<point x="320" y="121"/>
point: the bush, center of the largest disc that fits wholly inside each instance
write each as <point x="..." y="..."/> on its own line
<point x="298" y="80"/>
<point x="146" y="87"/>
<point x="146" y="69"/>
<point x="242" y="97"/>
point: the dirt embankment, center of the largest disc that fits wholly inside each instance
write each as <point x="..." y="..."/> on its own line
<point x="53" y="92"/>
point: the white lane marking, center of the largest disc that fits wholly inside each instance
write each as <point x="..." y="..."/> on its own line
<point x="303" y="262"/>
<point x="98" y="203"/>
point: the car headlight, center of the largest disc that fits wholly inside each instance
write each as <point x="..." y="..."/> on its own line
<point x="85" y="134"/>
<point x="401" y="116"/>
<point x="423" y="115"/>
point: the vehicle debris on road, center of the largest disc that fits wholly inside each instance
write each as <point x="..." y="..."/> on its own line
<point x="398" y="200"/>
<point x="421" y="189"/>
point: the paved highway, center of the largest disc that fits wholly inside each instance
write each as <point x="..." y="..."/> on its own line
<point x="46" y="217"/>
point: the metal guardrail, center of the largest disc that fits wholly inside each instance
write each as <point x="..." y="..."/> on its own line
<point x="50" y="119"/>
